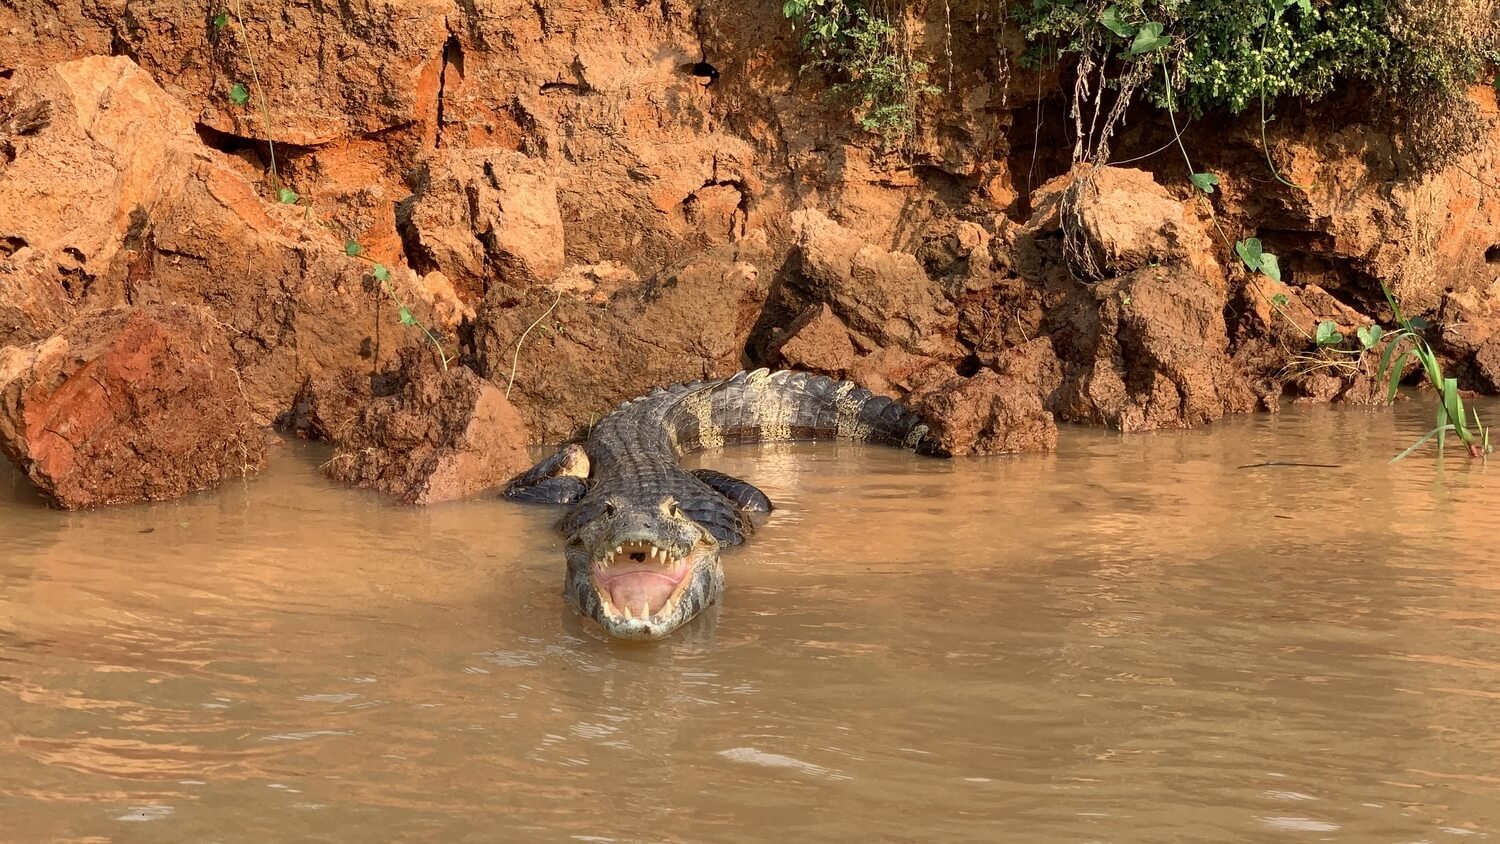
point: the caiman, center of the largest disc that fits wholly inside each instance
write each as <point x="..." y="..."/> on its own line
<point x="643" y="536"/>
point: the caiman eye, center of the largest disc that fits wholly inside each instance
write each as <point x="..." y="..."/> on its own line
<point x="677" y="512"/>
<point x="609" y="507"/>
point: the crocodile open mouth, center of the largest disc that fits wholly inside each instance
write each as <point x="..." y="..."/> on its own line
<point x="638" y="580"/>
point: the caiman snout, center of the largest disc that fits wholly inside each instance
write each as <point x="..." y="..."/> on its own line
<point x="642" y="571"/>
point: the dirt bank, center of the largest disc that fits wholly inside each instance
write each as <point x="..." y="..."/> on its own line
<point x="558" y="172"/>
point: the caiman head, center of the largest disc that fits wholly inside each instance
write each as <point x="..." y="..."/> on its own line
<point x="642" y="570"/>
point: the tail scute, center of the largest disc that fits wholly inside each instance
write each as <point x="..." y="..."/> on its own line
<point x="765" y="406"/>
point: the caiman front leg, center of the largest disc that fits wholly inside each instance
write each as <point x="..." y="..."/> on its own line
<point x="744" y="494"/>
<point x="562" y="478"/>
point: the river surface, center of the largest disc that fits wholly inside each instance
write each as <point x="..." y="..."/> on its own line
<point x="1130" y="640"/>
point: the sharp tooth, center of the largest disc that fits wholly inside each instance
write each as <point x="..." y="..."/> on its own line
<point x="619" y="548"/>
<point x="654" y="552"/>
<point x="645" y="609"/>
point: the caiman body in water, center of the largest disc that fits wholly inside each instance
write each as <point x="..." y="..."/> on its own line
<point x="644" y="534"/>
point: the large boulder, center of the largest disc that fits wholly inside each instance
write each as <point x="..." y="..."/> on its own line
<point x="884" y="295"/>
<point x="128" y="404"/>
<point x="439" y="434"/>
<point x="987" y="413"/>
<point x="1147" y="350"/>
<point x="815" y="342"/>
<point x="1124" y="220"/>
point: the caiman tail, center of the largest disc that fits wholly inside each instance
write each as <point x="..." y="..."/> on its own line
<point x="764" y="407"/>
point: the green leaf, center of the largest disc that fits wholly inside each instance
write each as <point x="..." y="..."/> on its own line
<point x="1390" y="394"/>
<point x="221" y="20"/>
<point x="407" y="318"/>
<point x="1305" y="6"/>
<point x="1455" y="405"/>
<point x="1328" y="333"/>
<point x="1442" y="427"/>
<point x="239" y="94"/>
<point x="1369" y="335"/>
<point x="1418" y="323"/>
<point x="1279" y="300"/>
<point x="1148" y="38"/>
<point x="1110" y="19"/>
<point x="1205" y="181"/>
<point x="381" y="272"/>
<point x="287" y="196"/>
<point x="352" y="248"/>
<point x="1270" y="266"/>
<point x="1385" y="357"/>
<point x="1249" y="251"/>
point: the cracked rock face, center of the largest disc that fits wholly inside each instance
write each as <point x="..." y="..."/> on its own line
<point x="581" y="359"/>
<point x="113" y="199"/>
<point x="127" y="404"/>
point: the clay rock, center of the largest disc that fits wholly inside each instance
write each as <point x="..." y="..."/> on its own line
<point x="816" y="342"/>
<point x="582" y="360"/>
<point x="892" y="372"/>
<point x="120" y="196"/>
<point x="1034" y="364"/>
<point x="1127" y="220"/>
<point x="127" y="405"/>
<point x="989" y="413"/>
<point x="594" y="282"/>
<point x="483" y="211"/>
<point x="1148" y="350"/>
<point x="34" y="297"/>
<point x="1487" y="364"/>
<point x="884" y="295"/>
<point x="327" y="405"/>
<point x="439" y="436"/>
<point x="330" y="72"/>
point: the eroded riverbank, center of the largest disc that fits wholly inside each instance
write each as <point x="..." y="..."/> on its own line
<point x="1131" y="639"/>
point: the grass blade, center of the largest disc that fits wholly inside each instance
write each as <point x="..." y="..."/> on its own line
<point x="1442" y="426"/>
<point x="1418" y="444"/>
<point x="1391" y="345"/>
<point x="1396" y="375"/>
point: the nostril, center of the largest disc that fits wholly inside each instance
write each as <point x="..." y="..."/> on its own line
<point x="638" y="557"/>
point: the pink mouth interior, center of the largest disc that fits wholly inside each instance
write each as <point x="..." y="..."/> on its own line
<point x="633" y="585"/>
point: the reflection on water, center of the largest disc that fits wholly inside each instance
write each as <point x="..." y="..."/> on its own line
<point x="1129" y="640"/>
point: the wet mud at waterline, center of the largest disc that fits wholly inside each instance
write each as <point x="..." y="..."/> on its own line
<point x="1130" y="639"/>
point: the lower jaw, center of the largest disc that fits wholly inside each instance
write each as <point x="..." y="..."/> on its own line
<point x="655" y="627"/>
<point x="640" y="631"/>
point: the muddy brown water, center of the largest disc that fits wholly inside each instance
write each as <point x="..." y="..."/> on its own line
<point x="1129" y="640"/>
